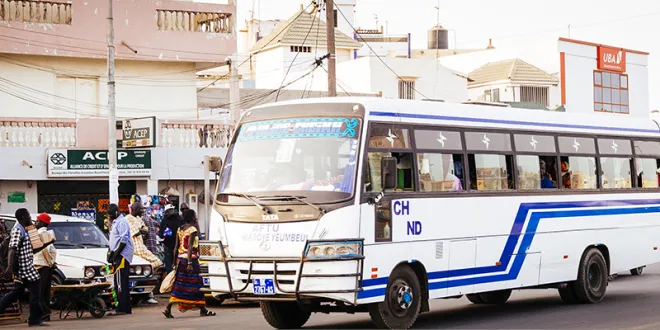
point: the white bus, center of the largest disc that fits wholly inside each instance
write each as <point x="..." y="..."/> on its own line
<point x="378" y="205"/>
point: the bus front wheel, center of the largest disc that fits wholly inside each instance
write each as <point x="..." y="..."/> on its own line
<point x="284" y="315"/>
<point x="403" y="301"/>
<point x="591" y="283"/>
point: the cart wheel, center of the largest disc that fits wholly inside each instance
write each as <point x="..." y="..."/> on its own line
<point x="66" y="310"/>
<point x="97" y="308"/>
<point x="80" y="312"/>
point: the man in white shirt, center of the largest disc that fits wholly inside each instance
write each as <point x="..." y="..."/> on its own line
<point x="44" y="261"/>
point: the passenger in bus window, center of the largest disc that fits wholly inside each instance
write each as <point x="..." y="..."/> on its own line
<point x="546" y="181"/>
<point x="566" y="175"/>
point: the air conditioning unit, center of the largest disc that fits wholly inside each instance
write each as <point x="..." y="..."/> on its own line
<point x="193" y="201"/>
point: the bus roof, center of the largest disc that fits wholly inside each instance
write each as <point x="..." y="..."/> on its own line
<point x="484" y="116"/>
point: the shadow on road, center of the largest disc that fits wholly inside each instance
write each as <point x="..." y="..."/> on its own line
<point x="499" y="317"/>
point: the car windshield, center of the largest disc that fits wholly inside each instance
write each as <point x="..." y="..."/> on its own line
<point x="309" y="157"/>
<point x="77" y="235"/>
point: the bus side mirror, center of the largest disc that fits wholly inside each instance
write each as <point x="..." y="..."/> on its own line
<point x="215" y="164"/>
<point x="388" y="172"/>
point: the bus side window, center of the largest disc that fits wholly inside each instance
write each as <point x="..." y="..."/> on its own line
<point x="404" y="171"/>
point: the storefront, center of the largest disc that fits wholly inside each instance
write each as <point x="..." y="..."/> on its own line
<point x="79" y="185"/>
<point x="603" y="79"/>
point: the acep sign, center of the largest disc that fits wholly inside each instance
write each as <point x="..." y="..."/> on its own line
<point x="611" y="59"/>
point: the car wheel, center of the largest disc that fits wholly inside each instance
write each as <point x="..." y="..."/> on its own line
<point x="56" y="280"/>
<point x="637" y="271"/>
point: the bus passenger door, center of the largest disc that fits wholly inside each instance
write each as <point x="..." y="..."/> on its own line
<point x="462" y="261"/>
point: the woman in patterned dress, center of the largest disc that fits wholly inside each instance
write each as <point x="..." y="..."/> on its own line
<point x="186" y="291"/>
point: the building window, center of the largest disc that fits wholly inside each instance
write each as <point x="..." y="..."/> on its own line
<point x="491" y="95"/>
<point x="533" y="94"/>
<point x="301" y="49"/>
<point x="407" y="89"/>
<point x="496" y="95"/>
<point x="611" y="92"/>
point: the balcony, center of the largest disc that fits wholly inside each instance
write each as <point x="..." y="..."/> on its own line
<point x="92" y="133"/>
<point x="35" y="12"/>
<point x="50" y="133"/>
<point x="195" y="134"/>
<point x="150" y="30"/>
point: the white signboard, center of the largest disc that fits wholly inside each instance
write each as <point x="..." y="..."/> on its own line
<point x="138" y="133"/>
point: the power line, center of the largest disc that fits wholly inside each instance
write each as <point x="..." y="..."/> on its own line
<point x="264" y="46"/>
<point x="298" y="53"/>
<point x="373" y="51"/>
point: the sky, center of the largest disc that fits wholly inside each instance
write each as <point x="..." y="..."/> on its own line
<point x="528" y="29"/>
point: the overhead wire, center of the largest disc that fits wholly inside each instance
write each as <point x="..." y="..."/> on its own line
<point x="373" y="51"/>
<point x="299" y="50"/>
<point x="262" y="47"/>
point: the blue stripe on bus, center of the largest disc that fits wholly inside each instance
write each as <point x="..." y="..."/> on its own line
<point x="513" y="239"/>
<point x="509" y="122"/>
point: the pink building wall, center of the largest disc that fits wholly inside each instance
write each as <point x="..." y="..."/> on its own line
<point x="138" y="27"/>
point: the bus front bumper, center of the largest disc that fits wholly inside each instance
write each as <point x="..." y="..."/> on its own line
<point x="333" y="278"/>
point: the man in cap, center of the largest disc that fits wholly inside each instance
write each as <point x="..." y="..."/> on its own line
<point x="44" y="261"/>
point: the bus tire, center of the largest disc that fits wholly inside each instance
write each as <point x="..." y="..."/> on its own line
<point x="475" y="298"/>
<point x="495" y="297"/>
<point x="284" y="315"/>
<point x="591" y="284"/>
<point x="567" y="294"/>
<point x="403" y="301"/>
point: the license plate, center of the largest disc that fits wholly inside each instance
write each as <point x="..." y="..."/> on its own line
<point x="207" y="281"/>
<point x="263" y="286"/>
<point x="131" y="284"/>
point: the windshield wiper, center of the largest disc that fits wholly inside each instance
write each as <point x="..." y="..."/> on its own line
<point x="292" y="197"/>
<point x="251" y="198"/>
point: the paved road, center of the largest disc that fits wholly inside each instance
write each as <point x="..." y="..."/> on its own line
<point x="631" y="303"/>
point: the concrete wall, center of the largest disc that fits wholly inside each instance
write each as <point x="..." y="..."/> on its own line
<point x="580" y="62"/>
<point x="271" y="66"/>
<point x="28" y="187"/>
<point x="59" y="87"/>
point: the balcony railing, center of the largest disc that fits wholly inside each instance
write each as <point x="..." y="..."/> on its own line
<point x="170" y="20"/>
<point x="35" y="11"/>
<point x="38" y="133"/>
<point x="195" y="134"/>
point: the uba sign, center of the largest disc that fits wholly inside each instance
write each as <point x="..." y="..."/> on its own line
<point x="611" y="59"/>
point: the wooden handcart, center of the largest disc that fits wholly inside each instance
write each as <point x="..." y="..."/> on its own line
<point x="81" y="298"/>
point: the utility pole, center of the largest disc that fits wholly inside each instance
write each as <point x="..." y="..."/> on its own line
<point x="112" y="126"/>
<point x="234" y="91"/>
<point x="332" y="67"/>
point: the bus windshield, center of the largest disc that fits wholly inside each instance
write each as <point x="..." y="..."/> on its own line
<point x="310" y="157"/>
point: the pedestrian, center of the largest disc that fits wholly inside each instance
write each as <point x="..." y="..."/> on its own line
<point x="186" y="292"/>
<point x="20" y="265"/>
<point x="138" y="228"/>
<point x="168" y="230"/>
<point x="121" y="257"/>
<point x="151" y="241"/>
<point x="45" y="262"/>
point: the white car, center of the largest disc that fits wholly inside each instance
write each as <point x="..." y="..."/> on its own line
<point x="82" y="251"/>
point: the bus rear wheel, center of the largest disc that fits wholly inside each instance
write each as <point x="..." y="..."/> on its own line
<point x="592" y="278"/>
<point x="475" y="298"/>
<point x="284" y="315"/>
<point x="403" y="301"/>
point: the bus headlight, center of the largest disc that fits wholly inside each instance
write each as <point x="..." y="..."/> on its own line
<point x="333" y="249"/>
<point x="138" y="270"/>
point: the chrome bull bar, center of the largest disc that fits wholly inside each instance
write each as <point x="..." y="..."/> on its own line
<point x="240" y="295"/>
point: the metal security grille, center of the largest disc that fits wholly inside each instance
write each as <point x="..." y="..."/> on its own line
<point x="407" y="89"/>
<point x="533" y="94"/>
<point x="63" y="203"/>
